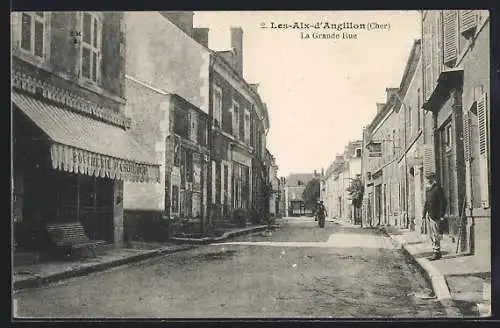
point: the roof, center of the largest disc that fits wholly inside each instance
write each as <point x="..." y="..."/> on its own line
<point x="294" y="178"/>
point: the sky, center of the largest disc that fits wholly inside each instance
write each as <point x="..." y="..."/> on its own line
<point x="319" y="92"/>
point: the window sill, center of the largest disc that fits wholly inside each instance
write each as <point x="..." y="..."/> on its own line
<point x="41" y="63"/>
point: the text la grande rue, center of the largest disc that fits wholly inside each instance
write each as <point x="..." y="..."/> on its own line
<point x="335" y="36"/>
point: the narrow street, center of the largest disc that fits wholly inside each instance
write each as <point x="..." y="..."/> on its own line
<point x="300" y="271"/>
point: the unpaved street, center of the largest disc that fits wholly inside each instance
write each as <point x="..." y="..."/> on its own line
<point x="300" y="271"/>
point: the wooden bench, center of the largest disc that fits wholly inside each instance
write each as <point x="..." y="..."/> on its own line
<point x="73" y="236"/>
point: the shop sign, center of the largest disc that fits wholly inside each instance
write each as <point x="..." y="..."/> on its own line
<point x="75" y="160"/>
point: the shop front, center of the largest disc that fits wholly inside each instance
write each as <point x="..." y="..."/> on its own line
<point x="69" y="167"/>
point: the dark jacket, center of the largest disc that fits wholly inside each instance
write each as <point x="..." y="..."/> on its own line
<point x="435" y="202"/>
<point x="320" y="210"/>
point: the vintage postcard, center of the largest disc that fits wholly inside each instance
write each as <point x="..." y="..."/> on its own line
<point x="251" y="164"/>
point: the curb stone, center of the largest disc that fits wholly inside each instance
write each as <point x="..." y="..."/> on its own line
<point x="432" y="275"/>
<point x="210" y="240"/>
<point x="39" y="281"/>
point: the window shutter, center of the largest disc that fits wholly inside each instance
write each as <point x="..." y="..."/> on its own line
<point x="482" y="116"/>
<point x="450" y="37"/>
<point x="467" y="136"/>
<point x="429" y="159"/>
<point x="468" y="21"/>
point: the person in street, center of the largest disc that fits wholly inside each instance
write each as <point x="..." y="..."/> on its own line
<point x="320" y="209"/>
<point x="434" y="209"/>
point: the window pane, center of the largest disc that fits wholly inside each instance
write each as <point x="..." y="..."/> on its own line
<point x="39" y="13"/>
<point x="87" y="21"/>
<point x="26" y="32"/>
<point x="39" y="39"/>
<point x="85" y="62"/>
<point x="94" y="40"/>
<point x="94" y="66"/>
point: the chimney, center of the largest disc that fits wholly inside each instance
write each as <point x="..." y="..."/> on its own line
<point x="380" y="106"/>
<point x="181" y="19"/>
<point x="390" y="91"/>
<point x="315" y="174"/>
<point x="322" y="172"/>
<point x="200" y="34"/>
<point x="237" y="47"/>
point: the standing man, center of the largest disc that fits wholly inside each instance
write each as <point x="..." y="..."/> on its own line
<point x="434" y="209"/>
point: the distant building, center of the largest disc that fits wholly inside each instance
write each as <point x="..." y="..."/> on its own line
<point x="336" y="181"/>
<point x="295" y="186"/>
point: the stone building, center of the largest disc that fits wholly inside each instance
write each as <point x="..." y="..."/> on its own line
<point x="381" y="141"/>
<point x="239" y="124"/>
<point x="456" y="84"/>
<point x="72" y="150"/>
<point x="168" y="98"/>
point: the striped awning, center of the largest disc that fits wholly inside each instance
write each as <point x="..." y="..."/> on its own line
<point x="83" y="145"/>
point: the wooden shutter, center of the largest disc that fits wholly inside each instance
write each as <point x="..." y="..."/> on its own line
<point x="468" y="21"/>
<point x="450" y="37"/>
<point x="436" y="48"/>
<point x="483" y="128"/>
<point x="467" y="136"/>
<point x="429" y="159"/>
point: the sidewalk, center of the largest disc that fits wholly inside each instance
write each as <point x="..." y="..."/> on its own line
<point x="464" y="280"/>
<point x="39" y="274"/>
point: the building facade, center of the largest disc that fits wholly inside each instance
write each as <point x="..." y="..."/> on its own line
<point x="238" y="129"/>
<point x="456" y="82"/>
<point x="72" y="149"/>
<point x="415" y="127"/>
<point x="331" y="190"/>
<point x="168" y="100"/>
<point x="381" y="140"/>
<point x="295" y="186"/>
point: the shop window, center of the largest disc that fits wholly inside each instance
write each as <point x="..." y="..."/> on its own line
<point x="90" y="51"/>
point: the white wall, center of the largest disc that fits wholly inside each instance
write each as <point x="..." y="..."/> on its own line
<point x="161" y="54"/>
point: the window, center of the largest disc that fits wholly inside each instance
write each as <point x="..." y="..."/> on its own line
<point x="217" y="107"/>
<point x="181" y="122"/>
<point x="175" y="199"/>
<point x="91" y="46"/>
<point x="246" y="135"/>
<point x="358" y="152"/>
<point x="252" y="132"/>
<point x="202" y="132"/>
<point x="447" y="137"/>
<point x="33" y="26"/>
<point x="236" y="119"/>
